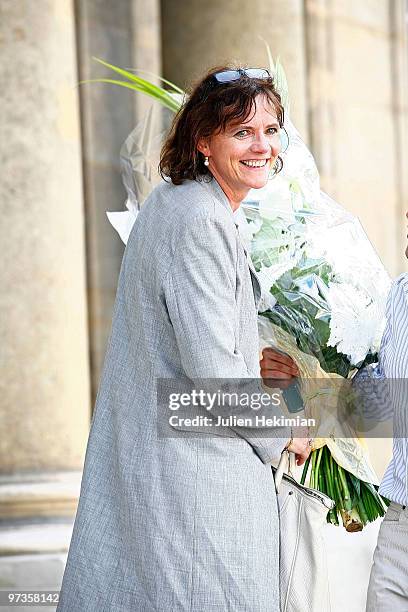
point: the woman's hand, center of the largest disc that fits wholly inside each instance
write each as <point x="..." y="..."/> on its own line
<point x="301" y="447"/>
<point x="277" y="369"/>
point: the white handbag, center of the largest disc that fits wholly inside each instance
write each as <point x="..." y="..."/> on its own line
<point x="303" y="573"/>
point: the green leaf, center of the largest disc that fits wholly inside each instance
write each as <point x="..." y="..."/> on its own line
<point x="141" y="85"/>
<point x="305" y="469"/>
<point x="281" y="84"/>
<point x="131" y="77"/>
<point x="165" y="101"/>
<point x="175" y="87"/>
<point x="356" y="482"/>
<point x="269" y="54"/>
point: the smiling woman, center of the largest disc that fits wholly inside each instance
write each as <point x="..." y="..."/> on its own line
<point x="240" y="158"/>
<point x="230" y="123"/>
<point x="177" y="521"/>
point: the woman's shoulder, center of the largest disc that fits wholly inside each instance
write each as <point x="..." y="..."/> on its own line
<point x="186" y="189"/>
<point x="192" y="199"/>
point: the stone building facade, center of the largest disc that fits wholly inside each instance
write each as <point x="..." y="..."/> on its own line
<point x="347" y="66"/>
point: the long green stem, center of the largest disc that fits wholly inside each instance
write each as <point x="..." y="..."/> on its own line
<point x="346" y="492"/>
<point x="356" y="501"/>
<point x="317" y="466"/>
<point x="312" y="474"/>
<point x="305" y="469"/>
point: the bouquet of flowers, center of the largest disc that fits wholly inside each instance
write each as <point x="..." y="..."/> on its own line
<point x="323" y="296"/>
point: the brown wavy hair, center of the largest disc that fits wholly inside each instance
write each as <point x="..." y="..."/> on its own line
<point x="209" y="108"/>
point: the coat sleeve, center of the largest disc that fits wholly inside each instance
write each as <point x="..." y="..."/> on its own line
<point x="200" y="297"/>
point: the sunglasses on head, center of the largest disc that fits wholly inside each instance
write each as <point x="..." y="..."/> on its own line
<point x="228" y="76"/>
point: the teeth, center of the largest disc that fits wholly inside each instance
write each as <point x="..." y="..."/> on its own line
<point x="255" y="163"/>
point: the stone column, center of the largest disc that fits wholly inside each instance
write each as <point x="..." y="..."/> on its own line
<point x="399" y="59"/>
<point x="125" y="33"/>
<point x="320" y="88"/>
<point x="44" y="409"/>
<point x="199" y="35"/>
<point x="351" y="63"/>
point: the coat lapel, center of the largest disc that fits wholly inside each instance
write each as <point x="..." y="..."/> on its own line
<point x="256" y="285"/>
<point x="222" y="198"/>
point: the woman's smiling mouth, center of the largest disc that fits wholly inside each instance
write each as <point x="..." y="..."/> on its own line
<point x="254" y="163"/>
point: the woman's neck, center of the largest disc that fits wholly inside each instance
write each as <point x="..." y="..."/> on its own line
<point x="234" y="197"/>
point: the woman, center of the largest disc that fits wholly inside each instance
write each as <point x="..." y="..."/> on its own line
<point x="185" y="523"/>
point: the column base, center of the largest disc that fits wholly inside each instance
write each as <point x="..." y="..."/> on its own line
<point x="39" y="495"/>
<point x="36" y="520"/>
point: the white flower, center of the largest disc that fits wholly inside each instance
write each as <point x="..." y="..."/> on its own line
<point x="356" y="321"/>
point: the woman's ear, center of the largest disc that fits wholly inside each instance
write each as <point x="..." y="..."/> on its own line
<point x="203" y="146"/>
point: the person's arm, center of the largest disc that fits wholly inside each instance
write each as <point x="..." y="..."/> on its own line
<point x="372" y="383"/>
<point x="199" y="293"/>
<point x="371" y="388"/>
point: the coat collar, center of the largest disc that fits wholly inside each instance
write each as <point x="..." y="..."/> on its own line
<point x="214" y="187"/>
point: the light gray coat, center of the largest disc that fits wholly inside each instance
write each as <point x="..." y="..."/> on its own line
<point x="180" y="524"/>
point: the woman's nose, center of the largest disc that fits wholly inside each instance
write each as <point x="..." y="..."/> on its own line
<point x="260" y="144"/>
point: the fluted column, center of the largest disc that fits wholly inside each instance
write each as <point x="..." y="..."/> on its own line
<point x="125" y="33"/>
<point x="199" y="35"/>
<point x="44" y="408"/>
<point x="399" y="41"/>
<point x="355" y="58"/>
<point x="45" y="377"/>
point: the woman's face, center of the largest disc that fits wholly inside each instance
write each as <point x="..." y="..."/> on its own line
<point x="241" y="157"/>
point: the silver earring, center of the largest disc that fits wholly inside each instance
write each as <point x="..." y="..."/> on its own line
<point x="206" y="161"/>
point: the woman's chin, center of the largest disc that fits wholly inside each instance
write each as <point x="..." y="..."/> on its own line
<point x="257" y="182"/>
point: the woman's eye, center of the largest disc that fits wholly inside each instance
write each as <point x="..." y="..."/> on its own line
<point x="242" y="133"/>
<point x="272" y="130"/>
